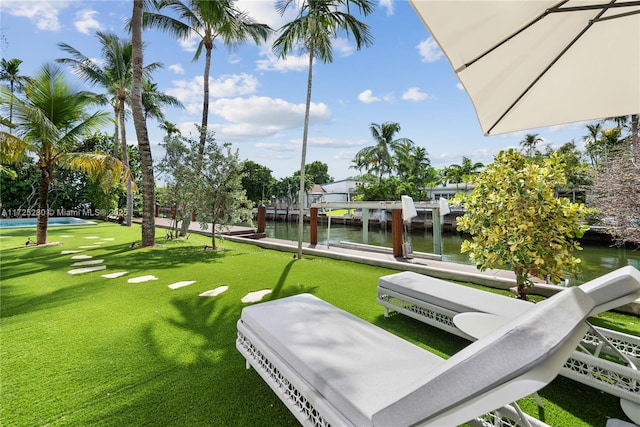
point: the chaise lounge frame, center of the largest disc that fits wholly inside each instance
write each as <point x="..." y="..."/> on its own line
<point x="331" y="368"/>
<point x="605" y="360"/>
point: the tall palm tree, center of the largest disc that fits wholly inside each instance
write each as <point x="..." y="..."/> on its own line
<point x="380" y="155"/>
<point x="115" y="77"/>
<point x="210" y="21"/>
<point x="317" y="23"/>
<point x="529" y="143"/>
<point x="140" y="123"/>
<point x="10" y="73"/>
<point x="49" y="121"/>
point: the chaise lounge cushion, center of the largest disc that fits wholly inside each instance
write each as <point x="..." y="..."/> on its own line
<point x="499" y="357"/>
<point x="372" y="377"/>
<point x="357" y="367"/>
<point x="452" y="296"/>
<point x="614" y="289"/>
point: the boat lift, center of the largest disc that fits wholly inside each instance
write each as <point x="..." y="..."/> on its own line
<point x="438" y="210"/>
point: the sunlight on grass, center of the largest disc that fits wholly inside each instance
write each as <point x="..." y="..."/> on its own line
<point x="89" y="350"/>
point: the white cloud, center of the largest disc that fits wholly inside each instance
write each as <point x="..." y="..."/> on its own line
<point x="189" y="44"/>
<point x="190" y="91"/>
<point x="387" y="5"/>
<point x="43" y="13"/>
<point x="429" y="50"/>
<point x="367" y="97"/>
<point x="290" y="63"/>
<point x="85" y="22"/>
<point x="343" y="47"/>
<point x="336" y="142"/>
<point x="414" y="94"/>
<point x="176" y="68"/>
<point x="459" y="86"/>
<point x="270" y="146"/>
<point x="265" y="13"/>
<point x="269" y="112"/>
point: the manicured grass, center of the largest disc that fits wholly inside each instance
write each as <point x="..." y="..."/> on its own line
<point x="86" y="350"/>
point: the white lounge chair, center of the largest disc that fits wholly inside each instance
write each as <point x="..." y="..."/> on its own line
<point x="439" y="303"/>
<point x="332" y="368"/>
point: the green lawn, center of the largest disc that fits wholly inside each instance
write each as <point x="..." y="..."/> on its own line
<point x="87" y="350"/>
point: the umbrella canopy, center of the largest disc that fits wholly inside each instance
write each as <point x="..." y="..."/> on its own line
<point x="528" y="64"/>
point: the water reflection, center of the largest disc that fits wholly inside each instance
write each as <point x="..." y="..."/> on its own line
<point x="596" y="260"/>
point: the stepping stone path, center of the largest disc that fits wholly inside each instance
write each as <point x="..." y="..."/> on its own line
<point x="255" y="296"/>
<point x="87" y="269"/>
<point x="114" y="275"/>
<point x="81" y="257"/>
<point x="215" y="292"/>
<point x="70" y="252"/>
<point x="142" y="279"/>
<point x="181" y="284"/>
<point x="92" y="262"/>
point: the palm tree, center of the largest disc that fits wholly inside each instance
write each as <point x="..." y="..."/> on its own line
<point x="140" y="123"/>
<point x="50" y="120"/>
<point x="153" y="100"/>
<point x="10" y="73"/>
<point x="210" y="21"/>
<point x="169" y="127"/>
<point x="593" y="146"/>
<point x="317" y="23"/>
<point x="469" y="169"/>
<point x="379" y="157"/>
<point x="115" y="77"/>
<point x="529" y="143"/>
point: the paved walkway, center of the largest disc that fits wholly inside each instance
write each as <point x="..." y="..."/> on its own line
<point x="502" y="279"/>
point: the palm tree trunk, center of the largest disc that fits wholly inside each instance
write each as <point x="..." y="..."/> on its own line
<point x="304" y="154"/>
<point x="146" y="161"/>
<point x="43" y="205"/>
<point x="125" y="161"/>
<point x="205" y="102"/>
<point x="116" y="132"/>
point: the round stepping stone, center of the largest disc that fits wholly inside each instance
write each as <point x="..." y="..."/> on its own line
<point x="92" y="237"/>
<point x="214" y="292"/>
<point x="70" y="252"/>
<point x="86" y="269"/>
<point x="181" y="284"/>
<point x="81" y="257"/>
<point x="142" y="279"/>
<point x="109" y="238"/>
<point x="255" y="296"/>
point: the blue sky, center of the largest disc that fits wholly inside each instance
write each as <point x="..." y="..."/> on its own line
<point x="257" y="100"/>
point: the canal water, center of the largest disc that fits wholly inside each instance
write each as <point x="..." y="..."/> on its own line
<point x="596" y="259"/>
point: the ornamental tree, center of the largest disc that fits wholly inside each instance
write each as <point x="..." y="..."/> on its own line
<point x="516" y="221"/>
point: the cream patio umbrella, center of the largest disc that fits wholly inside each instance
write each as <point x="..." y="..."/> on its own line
<point x="528" y="64"/>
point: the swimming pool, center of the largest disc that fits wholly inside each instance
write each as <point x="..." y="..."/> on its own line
<point x="54" y="221"/>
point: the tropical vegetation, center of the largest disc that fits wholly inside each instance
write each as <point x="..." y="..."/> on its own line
<point x="49" y="121"/>
<point x="516" y="222"/>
